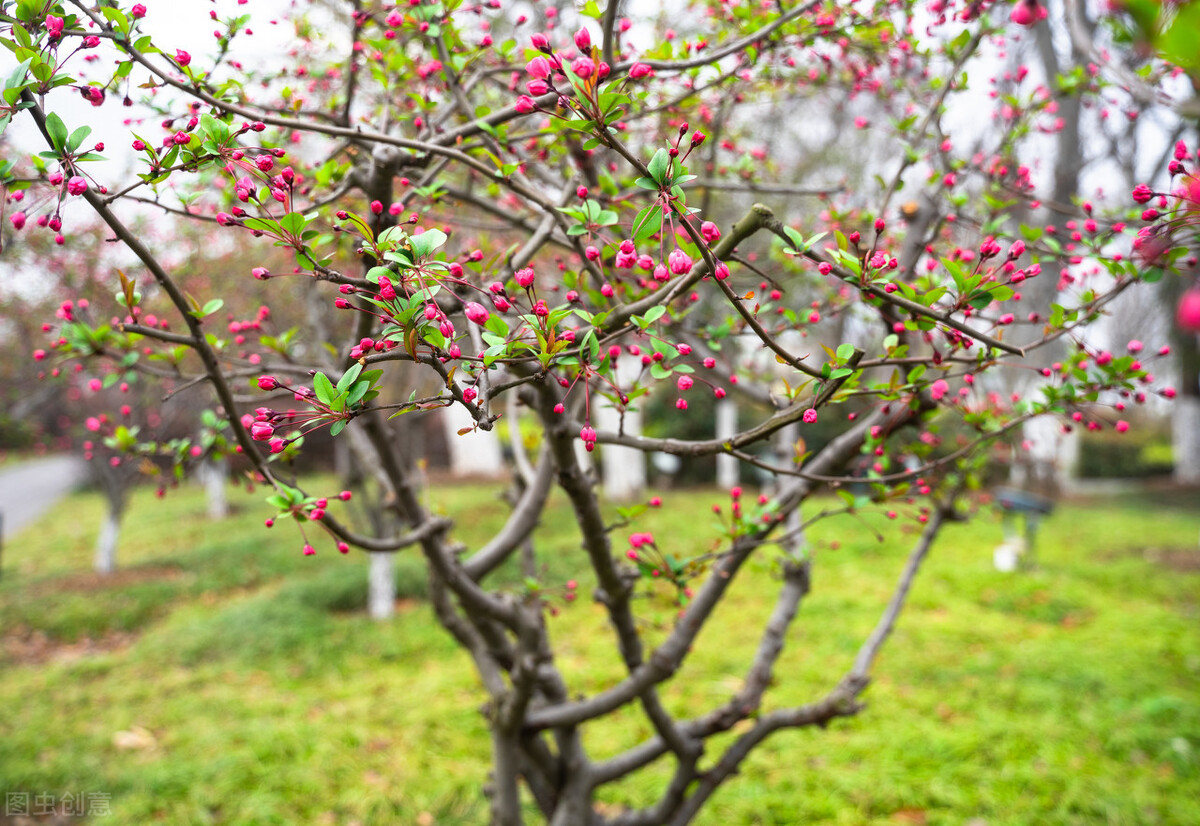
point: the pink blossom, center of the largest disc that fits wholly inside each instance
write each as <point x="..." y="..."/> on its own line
<point x="1026" y="13"/>
<point x="524" y="277"/>
<point x="18" y="220"/>
<point x="709" y="231"/>
<point x="182" y="57"/>
<point x="261" y="431"/>
<point x="539" y="68"/>
<point x="938" y="389"/>
<point x="584" y="67"/>
<point x="684" y="383"/>
<point x="476" y="312"/>
<point x="810" y="416"/>
<point x="138" y="11"/>
<point x="525" y="104"/>
<point x="77" y="185"/>
<point x="54" y="26"/>
<point x="583" y="40"/>
<point x="1187" y="314"/>
<point x="639" y="70"/>
<point x="679" y="262"/>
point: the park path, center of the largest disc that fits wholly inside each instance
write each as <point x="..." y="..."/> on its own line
<point x="29" y="489"/>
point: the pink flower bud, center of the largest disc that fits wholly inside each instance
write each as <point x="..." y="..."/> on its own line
<point x="679" y="262"/>
<point x="583" y="40"/>
<point x="539" y="68"/>
<point x="476" y="312"/>
<point x="584" y="67"/>
<point x="182" y="57"/>
<point x="709" y="231"/>
<point x="526" y="104"/>
<point x="1187" y="314"/>
<point x="640" y="70"/>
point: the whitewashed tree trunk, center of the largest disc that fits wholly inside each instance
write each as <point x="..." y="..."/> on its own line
<point x="381" y="586"/>
<point x="1047" y="465"/>
<point x="727" y="466"/>
<point x="623" y="469"/>
<point x="473" y="454"/>
<point x="785" y="444"/>
<point x="215" y="478"/>
<point x="1185" y="421"/>
<point x="106" y="544"/>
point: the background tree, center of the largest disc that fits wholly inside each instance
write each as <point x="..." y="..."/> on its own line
<point x="482" y="218"/>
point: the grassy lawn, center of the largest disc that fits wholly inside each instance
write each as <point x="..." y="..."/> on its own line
<point x="259" y="693"/>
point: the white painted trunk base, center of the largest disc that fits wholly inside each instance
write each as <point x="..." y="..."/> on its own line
<point x="381" y="585"/>
<point x="106" y="544"/>
<point x="727" y="466"/>
<point x="1185" y="426"/>
<point x="215" y="477"/>
<point x="474" y="454"/>
<point x="623" y="469"/>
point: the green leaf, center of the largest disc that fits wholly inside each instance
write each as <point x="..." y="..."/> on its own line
<point x="323" y="388"/>
<point x="648" y="222"/>
<point x="497" y="325"/>
<point x="212" y="306"/>
<point x="348" y="378"/>
<point x="658" y="166"/>
<point x="77" y="138"/>
<point x="428" y="241"/>
<point x="57" y="130"/>
<point x="654" y="314"/>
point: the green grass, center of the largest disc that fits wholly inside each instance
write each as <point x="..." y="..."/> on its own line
<point x="1065" y="695"/>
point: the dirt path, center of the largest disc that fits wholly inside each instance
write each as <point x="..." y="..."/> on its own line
<point x="30" y="489"/>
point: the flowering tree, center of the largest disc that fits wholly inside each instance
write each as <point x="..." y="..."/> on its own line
<point x="490" y="207"/>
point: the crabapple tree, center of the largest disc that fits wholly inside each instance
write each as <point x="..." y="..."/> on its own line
<point x="489" y="205"/>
